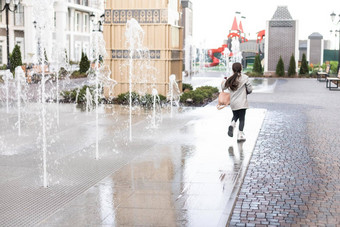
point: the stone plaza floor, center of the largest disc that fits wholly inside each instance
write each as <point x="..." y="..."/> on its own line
<point x="293" y="176"/>
<point x="185" y="172"/>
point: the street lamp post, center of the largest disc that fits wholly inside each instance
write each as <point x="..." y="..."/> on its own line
<point x="7" y="8"/>
<point x="333" y="15"/>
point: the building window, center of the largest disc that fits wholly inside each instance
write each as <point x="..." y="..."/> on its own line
<point x="20" y="42"/>
<point x="85" y="2"/>
<point x="86" y="23"/>
<point x="86" y="48"/>
<point x="78" y="22"/>
<point x="19" y="16"/>
<point x="77" y="51"/>
<point x="68" y="26"/>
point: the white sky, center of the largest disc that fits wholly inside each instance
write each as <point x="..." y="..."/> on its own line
<point x="213" y="18"/>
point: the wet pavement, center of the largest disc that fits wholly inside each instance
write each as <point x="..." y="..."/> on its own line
<point x="293" y="176"/>
<point x="185" y="172"/>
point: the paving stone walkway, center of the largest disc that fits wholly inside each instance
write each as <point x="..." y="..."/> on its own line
<point x="293" y="176"/>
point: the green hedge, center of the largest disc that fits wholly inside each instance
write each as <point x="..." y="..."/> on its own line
<point x="198" y="95"/>
<point x="70" y="96"/>
<point x="144" y="100"/>
<point x="187" y="86"/>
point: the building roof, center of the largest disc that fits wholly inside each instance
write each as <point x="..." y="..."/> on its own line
<point x="315" y="35"/>
<point x="282" y="13"/>
<point x="241" y="27"/>
<point x="234" y="27"/>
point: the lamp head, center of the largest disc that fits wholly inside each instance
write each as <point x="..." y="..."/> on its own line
<point x="8" y="1"/>
<point x="92" y="17"/>
<point x="102" y="18"/>
<point x="333" y="16"/>
<point x="16" y="2"/>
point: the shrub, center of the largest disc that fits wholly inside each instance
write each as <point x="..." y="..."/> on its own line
<point x="78" y="74"/>
<point x="84" y="64"/>
<point x="162" y="98"/>
<point x="198" y="97"/>
<point x="124" y="98"/>
<point x="199" y="94"/>
<point x="186" y="95"/>
<point x="292" y="66"/>
<point x="15" y="58"/>
<point x="207" y="91"/>
<point x="334" y="67"/>
<point x="71" y="96"/>
<point x="257" y="68"/>
<point x="187" y="87"/>
<point x="280" y="70"/>
<point x="145" y="100"/>
<point x="253" y="74"/>
<point x="304" y="66"/>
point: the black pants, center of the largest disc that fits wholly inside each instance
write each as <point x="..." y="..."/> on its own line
<point x="239" y="114"/>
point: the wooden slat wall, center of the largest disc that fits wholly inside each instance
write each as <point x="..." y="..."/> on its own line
<point x="158" y="37"/>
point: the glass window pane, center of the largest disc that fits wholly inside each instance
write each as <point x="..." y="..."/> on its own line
<point x="19" y="16"/>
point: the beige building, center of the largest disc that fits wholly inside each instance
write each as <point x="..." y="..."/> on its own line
<point x="163" y="37"/>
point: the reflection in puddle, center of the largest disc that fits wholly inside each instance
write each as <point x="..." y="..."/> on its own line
<point x="260" y="85"/>
<point x="236" y="159"/>
<point x="263" y="85"/>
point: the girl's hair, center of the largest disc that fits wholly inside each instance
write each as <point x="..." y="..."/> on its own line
<point x="232" y="82"/>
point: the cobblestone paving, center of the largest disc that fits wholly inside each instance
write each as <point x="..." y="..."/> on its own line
<point x="293" y="176"/>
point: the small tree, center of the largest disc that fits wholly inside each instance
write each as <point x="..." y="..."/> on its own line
<point x="15" y="58"/>
<point x="280" y="70"/>
<point x="84" y="64"/>
<point x="304" y="66"/>
<point x="257" y="64"/>
<point x="292" y="66"/>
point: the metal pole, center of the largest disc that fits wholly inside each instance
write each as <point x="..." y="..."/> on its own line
<point x="7" y="33"/>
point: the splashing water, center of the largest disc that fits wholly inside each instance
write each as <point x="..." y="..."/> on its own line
<point x="88" y="100"/>
<point x="235" y="48"/>
<point x="20" y="77"/>
<point x="188" y="55"/>
<point x="174" y="93"/>
<point x="134" y="35"/>
<point x="7" y="77"/>
<point x="43" y="15"/>
<point x="100" y="76"/>
<point x="59" y="62"/>
<point x="155" y="98"/>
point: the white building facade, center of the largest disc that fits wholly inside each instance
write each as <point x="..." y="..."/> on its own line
<point x="72" y="28"/>
<point x="16" y="28"/>
<point x="73" y="25"/>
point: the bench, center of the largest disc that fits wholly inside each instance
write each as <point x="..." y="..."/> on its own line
<point x="335" y="80"/>
<point x="321" y="76"/>
<point x="34" y="74"/>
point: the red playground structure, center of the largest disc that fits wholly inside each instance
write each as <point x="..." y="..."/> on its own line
<point x="235" y="31"/>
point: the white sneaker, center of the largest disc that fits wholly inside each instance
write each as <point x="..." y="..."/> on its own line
<point x="241" y="137"/>
<point x="231" y="129"/>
